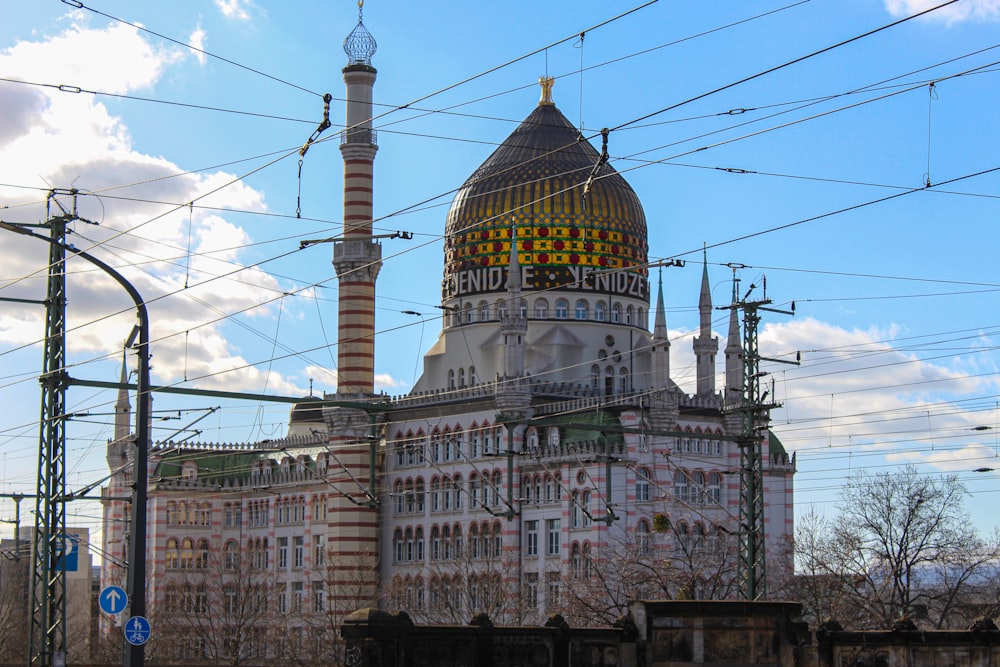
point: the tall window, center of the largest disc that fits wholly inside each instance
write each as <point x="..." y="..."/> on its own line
<point x="553" y="536"/>
<point x="562" y="309"/>
<point x="282" y="552"/>
<point x="599" y="311"/>
<point x="681" y="486"/>
<point x="531" y="538"/>
<point x="299" y="551"/>
<point x="531" y="589"/>
<point x="581" y="310"/>
<point x="642" y="485"/>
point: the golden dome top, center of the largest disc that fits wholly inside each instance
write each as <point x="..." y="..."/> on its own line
<point x="534" y="182"/>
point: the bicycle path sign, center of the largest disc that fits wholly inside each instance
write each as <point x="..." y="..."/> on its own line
<point x="137" y="630"/>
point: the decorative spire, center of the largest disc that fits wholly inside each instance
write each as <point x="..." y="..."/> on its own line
<point x="660" y="323"/>
<point x="123" y="409"/>
<point x="360" y="46"/>
<point x="705" y="346"/>
<point x="514" y="266"/>
<point x="546" y="82"/>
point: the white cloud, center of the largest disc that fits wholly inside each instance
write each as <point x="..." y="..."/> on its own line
<point x="967" y="10"/>
<point x="52" y="137"/>
<point x="235" y="9"/>
<point x="855" y="392"/>
<point x="197" y="40"/>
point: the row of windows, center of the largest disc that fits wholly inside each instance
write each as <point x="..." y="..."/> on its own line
<point x="413" y="450"/>
<point x="189" y="514"/>
<point x="697" y="488"/>
<point x="446" y="543"/>
<point x="199" y="600"/>
<point x="552" y="537"/>
<point x="582" y="310"/>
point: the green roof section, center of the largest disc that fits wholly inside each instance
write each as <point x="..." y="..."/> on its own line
<point x="598" y="419"/>
<point x="774" y="445"/>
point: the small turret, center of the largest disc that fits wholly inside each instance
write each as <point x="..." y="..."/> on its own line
<point x="705" y="346"/>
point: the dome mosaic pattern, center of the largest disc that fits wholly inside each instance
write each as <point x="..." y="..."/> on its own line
<point x="534" y="183"/>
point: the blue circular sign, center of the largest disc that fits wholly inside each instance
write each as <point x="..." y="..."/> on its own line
<point x="137" y="630"/>
<point x="113" y="600"/>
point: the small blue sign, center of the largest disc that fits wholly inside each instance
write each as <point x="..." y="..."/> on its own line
<point x="68" y="552"/>
<point x="113" y="600"/>
<point x="137" y="630"/>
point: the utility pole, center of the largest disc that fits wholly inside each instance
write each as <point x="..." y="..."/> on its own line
<point x="756" y="413"/>
<point x="48" y="577"/>
<point x="48" y="585"/>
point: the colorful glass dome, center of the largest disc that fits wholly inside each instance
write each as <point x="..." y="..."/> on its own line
<point x="532" y="186"/>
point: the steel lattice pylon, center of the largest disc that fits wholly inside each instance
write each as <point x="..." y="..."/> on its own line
<point x="755" y="414"/>
<point x="752" y="567"/>
<point x="48" y="578"/>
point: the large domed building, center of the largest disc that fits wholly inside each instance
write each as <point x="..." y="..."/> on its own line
<point x="545" y="461"/>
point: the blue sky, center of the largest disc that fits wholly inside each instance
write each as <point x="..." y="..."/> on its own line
<point x="895" y="300"/>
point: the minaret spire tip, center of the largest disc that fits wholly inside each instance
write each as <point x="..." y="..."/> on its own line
<point x="546" y="82"/>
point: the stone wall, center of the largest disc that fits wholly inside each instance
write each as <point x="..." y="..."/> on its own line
<point x="665" y="634"/>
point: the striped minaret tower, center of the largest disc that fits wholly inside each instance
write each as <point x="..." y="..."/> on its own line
<point x="357" y="258"/>
<point x="352" y="527"/>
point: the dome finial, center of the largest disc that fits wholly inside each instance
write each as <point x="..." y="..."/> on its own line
<point x="546" y="82"/>
<point x="359" y="45"/>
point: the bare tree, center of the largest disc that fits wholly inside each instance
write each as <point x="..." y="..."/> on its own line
<point x="14" y="611"/>
<point x="220" y="612"/>
<point x="901" y="544"/>
<point x="677" y="563"/>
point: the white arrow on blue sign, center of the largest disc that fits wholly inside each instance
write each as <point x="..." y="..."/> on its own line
<point x="137" y="630"/>
<point x="113" y="600"/>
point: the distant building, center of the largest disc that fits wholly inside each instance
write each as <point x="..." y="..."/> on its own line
<point x="16" y="560"/>
<point x="545" y="453"/>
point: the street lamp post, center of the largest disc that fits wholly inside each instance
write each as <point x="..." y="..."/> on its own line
<point x="133" y="656"/>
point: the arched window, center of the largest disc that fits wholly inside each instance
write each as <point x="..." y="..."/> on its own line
<point x="522" y="308"/>
<point x="456" y="317"/>
<point x="451" y="378"/>
<point x="419" y="556"/>
<point x="461" y="377"/>
<point x="187" y="554"/>
<point x="484" y="311"/>
<point x="575" y="561"/>
<point x="501" y="309"/>
<point x="629" y="312"/>
<point x="472" y="376"/>
<point x="171" y="513"/>
<point x="418" y="496"/>
<point x="681" y="486"/>
<point x="588" y="514"/>
<point x="473" y="491"/>
<point x="562" y="309"/>
<point x="641" y="317"/>
<point x="446" y="487"/>
<point x="408" y="494"/>
<point x="435" y="543"/>
<point x="623" y="380"/>
<point x="642" y="477"/>
<point x="457" y="491"/>
<point x="616" y="313"/>
<point x="698" y="488"/>
<point x="526" y="489"/>
<point x="201" y="557"/>
<point x="398" y="498"/>
<point x="172" y="553"/>
<point x="398" y="545"/>
<point x="599" y="310"/>
<point x="496" y="486"/>
<point x="231" y="555"/>
<point x="643" y="538"/>
<point x="595" y="376"/>
<point x="435" y="495"/>
<point x="470" y="316"/>
<point x="541" y="309"/>
<point x="581" y="310"/>
<point x="714" y="491"/>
